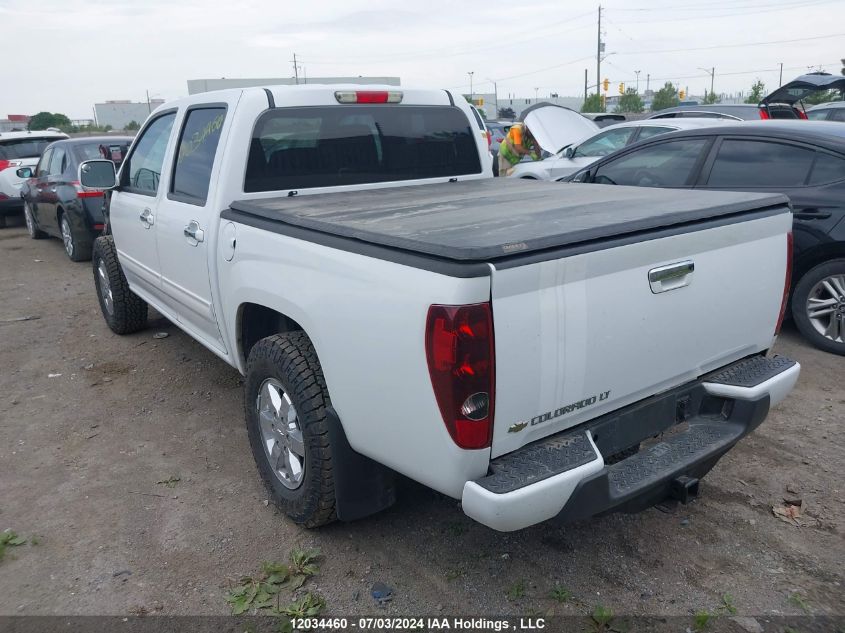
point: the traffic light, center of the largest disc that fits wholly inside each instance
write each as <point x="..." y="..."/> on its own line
<point x="606" y="84"/>
<point x="622" y="88"/>
<point x="682" y="94"/>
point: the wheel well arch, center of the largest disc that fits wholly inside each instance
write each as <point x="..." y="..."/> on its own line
<point x="256" y="321"/>
<point x="814" y="256"/>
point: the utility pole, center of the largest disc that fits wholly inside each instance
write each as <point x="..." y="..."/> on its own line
<point x="295" y="69"/>
<point x="470" y="73"/>
<point x="780" y="79"/>
<point x="712" y="77"/>
<point x="536" y="95"/>
<point x="647" y="81"/>
<point x="598" y="53"/>
<point x="149" y="108"/>
<point x="637" y="73"/>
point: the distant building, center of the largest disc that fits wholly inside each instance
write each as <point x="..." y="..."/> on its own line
<point x="14" y="122"/>
<point x="204" y="85"/>
<point x="119" y="113"/>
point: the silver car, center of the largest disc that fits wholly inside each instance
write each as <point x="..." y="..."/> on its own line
<point x="832" y="111"/>
<point x="571" y="158"/>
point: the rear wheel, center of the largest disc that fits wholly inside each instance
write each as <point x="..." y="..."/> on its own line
<point x="818" y="306"/>
<point x="77" y="247"/>
<point x="34" y="232"/>
<point x="124" y="311"/>
<point x="285" y="400"/>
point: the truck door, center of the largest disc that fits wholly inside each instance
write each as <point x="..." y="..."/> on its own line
<point x="133" y="206"/>
<point x="184" y="222"/>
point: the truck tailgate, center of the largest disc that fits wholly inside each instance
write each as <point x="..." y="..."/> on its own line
<point x="596" y="329"/>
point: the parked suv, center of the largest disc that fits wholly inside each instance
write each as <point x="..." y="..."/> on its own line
<point x="19" y="149"/>
<point x="54" y="202"/>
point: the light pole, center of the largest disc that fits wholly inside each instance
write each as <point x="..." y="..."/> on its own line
<point x="470" y="73"/>
<point x="536" y="94"/>
<point x="637" y="73"/>
<point x="712" y="73"/>
<point x="495" y="96"/>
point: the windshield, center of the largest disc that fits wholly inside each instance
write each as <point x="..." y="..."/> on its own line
<point x="114" y="151"/>
<point x="29" y="147"/>
<point x="604" y="143"/>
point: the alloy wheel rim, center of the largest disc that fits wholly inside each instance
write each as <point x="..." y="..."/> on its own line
<point x="281" y="434"/>
<point x="67" y="237"/>
<point x="826" y="308"/>
<point x="105" y="287"/>
<point x="27" y="215"/>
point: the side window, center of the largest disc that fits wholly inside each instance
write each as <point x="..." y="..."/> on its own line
<point x="605" y="143"/>
<point x="647" y="131"/>
<point x="58" y="162"/>
<point x="837" y="114"/>
<point x="142" y="169"/>
<point x="747" y="163"/>
<point x="817" y="115"/>
<point x="669" y="164"/>
<point x="195" y="157"/>
<point x="44" y="164"/>
<point x="828" y="168"/>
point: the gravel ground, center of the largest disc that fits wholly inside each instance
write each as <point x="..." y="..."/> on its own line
<point x="91" y="424"/>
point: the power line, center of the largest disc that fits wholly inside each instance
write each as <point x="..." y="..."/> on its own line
<point x="718" y="6"/>
<point x="725" y="15"/>
<point x="746" y="44"/>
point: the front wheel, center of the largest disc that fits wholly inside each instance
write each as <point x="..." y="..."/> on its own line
<point x="285" y="400"/>
<point x="124" y="311"/>
<point x="818" y="306"/>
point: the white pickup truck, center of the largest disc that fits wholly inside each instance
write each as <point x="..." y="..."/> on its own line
<point x="535" y="351"/>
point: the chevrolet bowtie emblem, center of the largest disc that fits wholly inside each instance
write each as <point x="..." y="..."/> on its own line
<point x="516" y="428"/>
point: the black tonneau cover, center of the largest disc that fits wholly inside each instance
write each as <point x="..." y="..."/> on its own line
<point x="486" y="220"/>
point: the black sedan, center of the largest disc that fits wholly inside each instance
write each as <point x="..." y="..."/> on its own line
<point x="54" y="202"/>
<point x="803" y="159"/>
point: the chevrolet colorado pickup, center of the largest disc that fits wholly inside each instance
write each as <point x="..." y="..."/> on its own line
<point x="535" y="351"/>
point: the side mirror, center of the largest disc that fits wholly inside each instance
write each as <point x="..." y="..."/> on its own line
<point x="25" y="172"/>
<point x="569" y="152"/>
<point x="97" y="174"/>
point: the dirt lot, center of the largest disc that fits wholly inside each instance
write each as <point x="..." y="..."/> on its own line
<point x="90" y="422"/>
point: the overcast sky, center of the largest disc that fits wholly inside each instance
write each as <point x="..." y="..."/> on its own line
<point x="65" y="55"/>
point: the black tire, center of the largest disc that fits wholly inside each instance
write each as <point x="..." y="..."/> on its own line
<point x="800" y="298"/>
<point x="290" y="360"/>
<point x="31" y="225"/>
<point x="128" y="311"/>
<point x="79" y="248"/>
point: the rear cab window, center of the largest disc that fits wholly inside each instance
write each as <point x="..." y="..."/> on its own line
<point x="327" y="146"/>
<point x="113" y="151"/>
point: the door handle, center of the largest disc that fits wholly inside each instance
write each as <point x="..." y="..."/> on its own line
<point x="812" y="214"/>
<point x="147" y="218"/>
<point x="194" y="233"/>
<point x="670" y="277"/>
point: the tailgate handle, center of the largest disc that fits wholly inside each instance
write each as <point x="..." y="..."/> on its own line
<point x="670" y="277"/>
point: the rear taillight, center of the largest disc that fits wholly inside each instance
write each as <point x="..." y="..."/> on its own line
<point x="764" y="113"/>
<point x="368" y="96"/>
<point x="460" y="353"/>
<point x="489" y="139"/>
<point x="6" y="164"/>
<point x="787" y="282"/>
<point x="801" y="114"/>
<point x="84" y="193"/>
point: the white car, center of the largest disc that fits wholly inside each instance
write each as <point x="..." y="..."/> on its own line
<point x="569" y="159"/>
<point x="396" y="309"/>
<point x="19" y="149"/>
